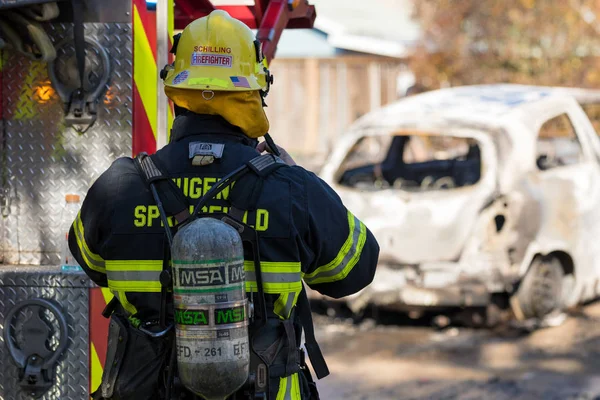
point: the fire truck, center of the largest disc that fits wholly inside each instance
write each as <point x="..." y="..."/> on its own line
<point x="80" y="87"/>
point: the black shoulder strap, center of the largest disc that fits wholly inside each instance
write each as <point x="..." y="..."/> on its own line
<point x="262" y="167"/>
<point x="312" y="347"/>
<point x="173" y="200"/>
<point x="175" y="204"/>
<point x="245" y="195"/>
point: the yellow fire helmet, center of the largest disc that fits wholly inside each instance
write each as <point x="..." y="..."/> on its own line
<point x="219" y="53"/>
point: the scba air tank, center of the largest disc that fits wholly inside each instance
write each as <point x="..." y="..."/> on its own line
<point x="210" y="302"/>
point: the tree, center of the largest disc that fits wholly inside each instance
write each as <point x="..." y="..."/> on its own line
<point x="544" y="42"/>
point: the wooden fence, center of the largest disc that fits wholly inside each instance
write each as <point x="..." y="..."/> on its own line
<point x="314" y="100"/>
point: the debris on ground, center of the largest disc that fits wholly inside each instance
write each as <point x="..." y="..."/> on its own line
<point x="414" y="359"/>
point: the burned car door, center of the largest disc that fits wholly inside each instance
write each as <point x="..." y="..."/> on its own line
<point x="419" y="192"/>
<point x="569" y="180"/>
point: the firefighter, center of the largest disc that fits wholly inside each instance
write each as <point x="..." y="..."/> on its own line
<point x="218" y="83"/>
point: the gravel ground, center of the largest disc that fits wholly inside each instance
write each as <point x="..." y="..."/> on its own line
<point x="404" y="361"/>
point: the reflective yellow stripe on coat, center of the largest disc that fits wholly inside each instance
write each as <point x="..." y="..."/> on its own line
<point x="279" y="278"/>
<point x="134" y="275"/>
<point x="282" y="278"/>
<point x="289" y="388"/>
<point x="93" y="260"/>
<point x="347" y="257"/>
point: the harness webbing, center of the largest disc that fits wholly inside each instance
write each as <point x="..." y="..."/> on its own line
<point x="175" y="204"/>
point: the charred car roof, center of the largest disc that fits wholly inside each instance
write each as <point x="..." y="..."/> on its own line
<point x="479" y="105"/>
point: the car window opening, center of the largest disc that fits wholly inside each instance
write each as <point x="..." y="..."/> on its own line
<point x="592" y="110"/>
<point x="412" y="162"/>
<point x="557" y="144"/>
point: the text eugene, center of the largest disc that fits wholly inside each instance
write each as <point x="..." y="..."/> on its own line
<point x="147" y="216"/>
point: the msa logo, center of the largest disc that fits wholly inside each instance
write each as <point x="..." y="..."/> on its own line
<point x="231" y="315"/>
<point x="191" y="317"/>
<point x="201" y="277"/>
<point x="205" y="146"/>
<point x="236" y="273"/>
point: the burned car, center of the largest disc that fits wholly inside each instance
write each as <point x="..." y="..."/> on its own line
<point x="477" y="195"/>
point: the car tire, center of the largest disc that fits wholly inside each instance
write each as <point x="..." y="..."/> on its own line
<point x="540" y="294"/>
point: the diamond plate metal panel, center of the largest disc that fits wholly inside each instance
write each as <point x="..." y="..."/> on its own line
<point x="71" y="292"/>
<point x="45" y="160"/>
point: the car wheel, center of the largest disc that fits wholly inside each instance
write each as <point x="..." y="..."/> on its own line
<point x="540" y="293"/>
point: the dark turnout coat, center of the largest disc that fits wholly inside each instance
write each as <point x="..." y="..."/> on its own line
<point x="305" y="233"/>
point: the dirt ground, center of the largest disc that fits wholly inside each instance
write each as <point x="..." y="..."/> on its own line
<point x="404" y="361"/>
